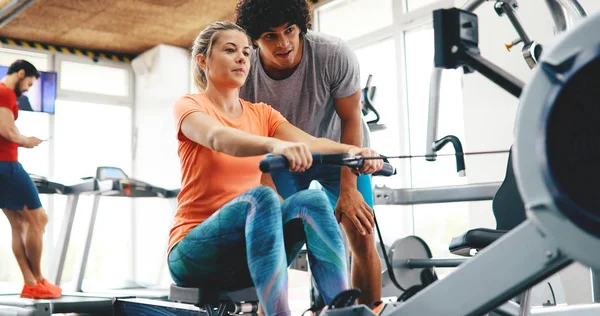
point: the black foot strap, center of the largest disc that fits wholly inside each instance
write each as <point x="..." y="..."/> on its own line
<point x="345" y="299"/>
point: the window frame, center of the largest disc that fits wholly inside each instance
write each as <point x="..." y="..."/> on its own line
<point x="403" y="21"/>
<point x="79" y="96"/>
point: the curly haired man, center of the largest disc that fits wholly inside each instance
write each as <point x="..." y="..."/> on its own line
<point x="313" y="79"/>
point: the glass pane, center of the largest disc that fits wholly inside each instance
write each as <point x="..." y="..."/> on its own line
<point x="88" y="136"/>
<point x="394" y="221"/>
<point x="385" y="99"/>
<point x="353" y="18"/>
<point x="437" y="224"/>
<point x="419" y="65"/>
<point x="94" y="79"/>
<point x="35" y="160"/>
<point x="412" y="5"/>
<point x="8" y="56"/>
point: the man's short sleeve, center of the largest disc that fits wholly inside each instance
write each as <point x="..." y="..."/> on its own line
<point x="183" y="107"/>
<point x="6" y="100"/>
<point x="344" y="71"/>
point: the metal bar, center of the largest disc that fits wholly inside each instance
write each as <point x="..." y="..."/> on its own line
<point x="479" y="292"/>
<point x="595" y="285"/>
<point x="472" y="5"/>
<point x="51" y="209"/>
<point x="571" y="310"/>
<point x="558" y="16"/>
<point x="63" y="239"/>
<point x="514" y="20"/>
<point x="506" y="81"/>
<point x="448" y="194"/>
<point x="86" y="248"/>
<point x="432" y="263"/>
<point x="8" y="6"/>
<point x="574" y="8"/>
<point x="434" y="94"/>
<point x="13" y="14"/>
<point x="434" y="112"/>
<point x="509" y="308"/>
<point x="525" y="301"/>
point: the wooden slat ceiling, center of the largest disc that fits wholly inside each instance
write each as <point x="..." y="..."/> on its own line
<point x="119" y="26"/>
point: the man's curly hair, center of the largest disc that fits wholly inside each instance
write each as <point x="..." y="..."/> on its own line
<point x="259" y="16"/>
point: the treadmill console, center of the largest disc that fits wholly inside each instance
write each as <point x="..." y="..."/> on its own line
<point x="110" y="173"/>
<point x="122" y="185"/>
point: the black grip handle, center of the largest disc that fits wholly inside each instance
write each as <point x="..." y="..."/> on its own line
<point x="386" y="171"/>
<point x="278" y="163"/>
<point x="273" y="164"/>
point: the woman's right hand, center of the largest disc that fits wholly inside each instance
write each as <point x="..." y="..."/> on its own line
<point x="297" y="154"/>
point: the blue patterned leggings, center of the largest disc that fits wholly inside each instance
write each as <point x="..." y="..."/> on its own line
<point x="251" y="241"/>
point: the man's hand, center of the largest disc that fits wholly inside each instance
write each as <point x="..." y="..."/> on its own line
<point x="352" y="205"/>
<point x="31" y="142"/>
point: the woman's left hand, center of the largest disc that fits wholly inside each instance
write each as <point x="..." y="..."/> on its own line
<point x="370" y="165"/>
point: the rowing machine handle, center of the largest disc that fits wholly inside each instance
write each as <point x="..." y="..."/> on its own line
<point x="386" y="171"/>
<point x="279" y="163"/>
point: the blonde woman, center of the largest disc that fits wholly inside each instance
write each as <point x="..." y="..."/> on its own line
<point x="230" y="232"/>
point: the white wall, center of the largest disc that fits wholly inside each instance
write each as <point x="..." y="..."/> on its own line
<point x="162" y="76"/>
<point x="489" y="111"/>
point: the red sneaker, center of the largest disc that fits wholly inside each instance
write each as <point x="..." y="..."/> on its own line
<point x="51" y="286"/>
<point x="38" y="291"/>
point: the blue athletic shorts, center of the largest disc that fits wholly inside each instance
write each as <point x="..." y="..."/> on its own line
<point x="16" y="188"/>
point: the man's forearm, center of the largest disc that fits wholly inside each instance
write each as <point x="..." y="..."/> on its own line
<point x="12" y="134"/>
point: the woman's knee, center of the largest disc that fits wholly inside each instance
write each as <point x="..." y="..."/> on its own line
<point x="264" y="203"/>
<point x="265" y="197"/>
<point x="315" y="200"/>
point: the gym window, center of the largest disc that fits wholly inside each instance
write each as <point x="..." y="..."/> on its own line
<point x="393" y="41"/>
<point x="93" y="79"/>
<point x="332" y="18"/>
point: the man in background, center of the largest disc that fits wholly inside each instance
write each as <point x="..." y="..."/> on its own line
<point x="19" y="198"/>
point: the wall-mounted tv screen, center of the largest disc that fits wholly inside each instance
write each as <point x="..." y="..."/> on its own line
<point x="41" y="97"/>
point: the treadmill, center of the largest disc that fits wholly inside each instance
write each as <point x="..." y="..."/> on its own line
<point x="116" y="183"/>
<point x="13" y="304"/>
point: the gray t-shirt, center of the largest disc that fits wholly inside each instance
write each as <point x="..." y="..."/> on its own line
<point x="328" y="70"/>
